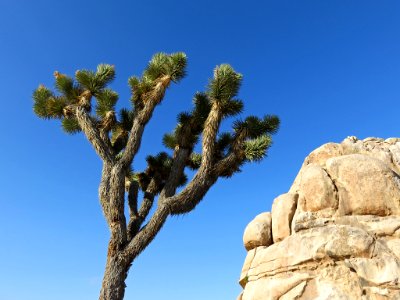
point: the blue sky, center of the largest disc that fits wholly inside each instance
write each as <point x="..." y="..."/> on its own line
<point x="329" y="69"/>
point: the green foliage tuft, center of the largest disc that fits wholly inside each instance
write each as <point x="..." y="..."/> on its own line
<point x="65" y="85"/>
<point x="256" y="149"/>
<point x="272" y="123"/>
<point x="194" y="161"/>
<point x="133" y="82"/>
<point x="46" y="105"/>
<point x="70" y="125"/>
<point x="202" y="106"/>
<point x="184" y="117"/>
<point x="157" y="66"/>
<point x="86" y="79"/>
<point x="232" y="108"/>
<point x="126" y="118"/>
<point x="225" y="84"/>
<point x="178" y="62"/>
<point x="255" y="126"/>
<point x="40" y="97"/>
<point x="106" y="100"/>
<point x="182" y="180"/>
<point x="96" y="81"/>
<point x="161" y="64"/>
<point x="120" y="132"/>
<point x="161" y="160"/>
<point x="105" y="74"/>
<point x="41" y="94"/>
<point x="224" y="140"/>
<point x="138" y="89"/>
<point x="169" y="141"/>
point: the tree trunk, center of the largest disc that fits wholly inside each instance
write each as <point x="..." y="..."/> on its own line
<point x="113" y="286"/>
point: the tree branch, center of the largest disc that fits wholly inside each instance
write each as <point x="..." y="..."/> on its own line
<point x="187" y="199"/>
<point x="233" y="159"/>
<point x="136" y="220"/>
<point x="178" y="166"/>
<point x="146" y="234"/>
<point x="93" y="135"/>
<point x="133" y="190"/>
<point x="141" y="119"/>
<point x="104" y="135"/>
<point x="226" y="164"/>
<point x="116" y="214"/>
<point x="194" y="192"/>
<point x="104" y="190"/>
<point x="210" y="132"/>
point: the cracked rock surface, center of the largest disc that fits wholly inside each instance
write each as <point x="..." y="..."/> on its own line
<point x="336" y="233"/>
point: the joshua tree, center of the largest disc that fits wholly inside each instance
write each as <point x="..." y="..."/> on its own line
<point x="116" y="139"/>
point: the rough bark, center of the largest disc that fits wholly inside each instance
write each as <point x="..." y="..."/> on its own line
<point x="177" y="170"/>
<point x="137" y="219"/>
<point x="93" y="134"/>
<point x="116" y="209"/>
<point x="147" y="233"/>
<point x="104" y="189"/>
<point x="128" y="241"/>
<point x="113" y="286"/>
<point x="192" y="194"/>
<point x="119" y="262"/>
<point x="210" y="132"/>
<point x="142" y="118"/>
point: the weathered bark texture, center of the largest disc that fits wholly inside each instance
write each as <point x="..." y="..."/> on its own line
<point x="113" y="286"/>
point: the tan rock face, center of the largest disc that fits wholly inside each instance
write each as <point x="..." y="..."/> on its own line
<point x="366" y="185"/>
<point x="336" y="234"/>
<point x="258" y="232"/>
<point x="283" y="210"/>
<point x="317" y="190"/>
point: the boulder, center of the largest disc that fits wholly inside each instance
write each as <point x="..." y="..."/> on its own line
<point x="258" y="232"/>
<point x="317" y="191"/>
<point x="366" y="185"/>
<point x="336" y="233"/>
<point x="283" y="210"/>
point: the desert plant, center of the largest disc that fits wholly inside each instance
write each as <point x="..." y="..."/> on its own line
<point x="86" y="104"/>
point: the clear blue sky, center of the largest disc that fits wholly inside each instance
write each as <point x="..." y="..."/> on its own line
<point x="329" y="69"/>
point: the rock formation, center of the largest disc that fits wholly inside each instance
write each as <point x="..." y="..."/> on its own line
<point x="336" y="233"/>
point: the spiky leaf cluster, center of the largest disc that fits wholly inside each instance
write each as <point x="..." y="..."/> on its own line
<point x="46" y="104"/>
<point x="190" y="124"/>
<point x="71" y="92"/>
<point x="250" y="138"/>
<point x="162" y="65"/>
<point x="254" y="126"/>
<point x="256" y="149"/>
<point x="70" y="125"/>
<point x="106" y="100"/>
<point x="248" y="142"/>
<point x="120" y="131"/>
<point x="224" y="87"/>
<point x="95" y="82"/>
<point x="223" y="144"/>
<point x="66" y="86"/>
<point x="158" y="168"/>
<point x="194" y="161"/>
<point x="255" y="134"/>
